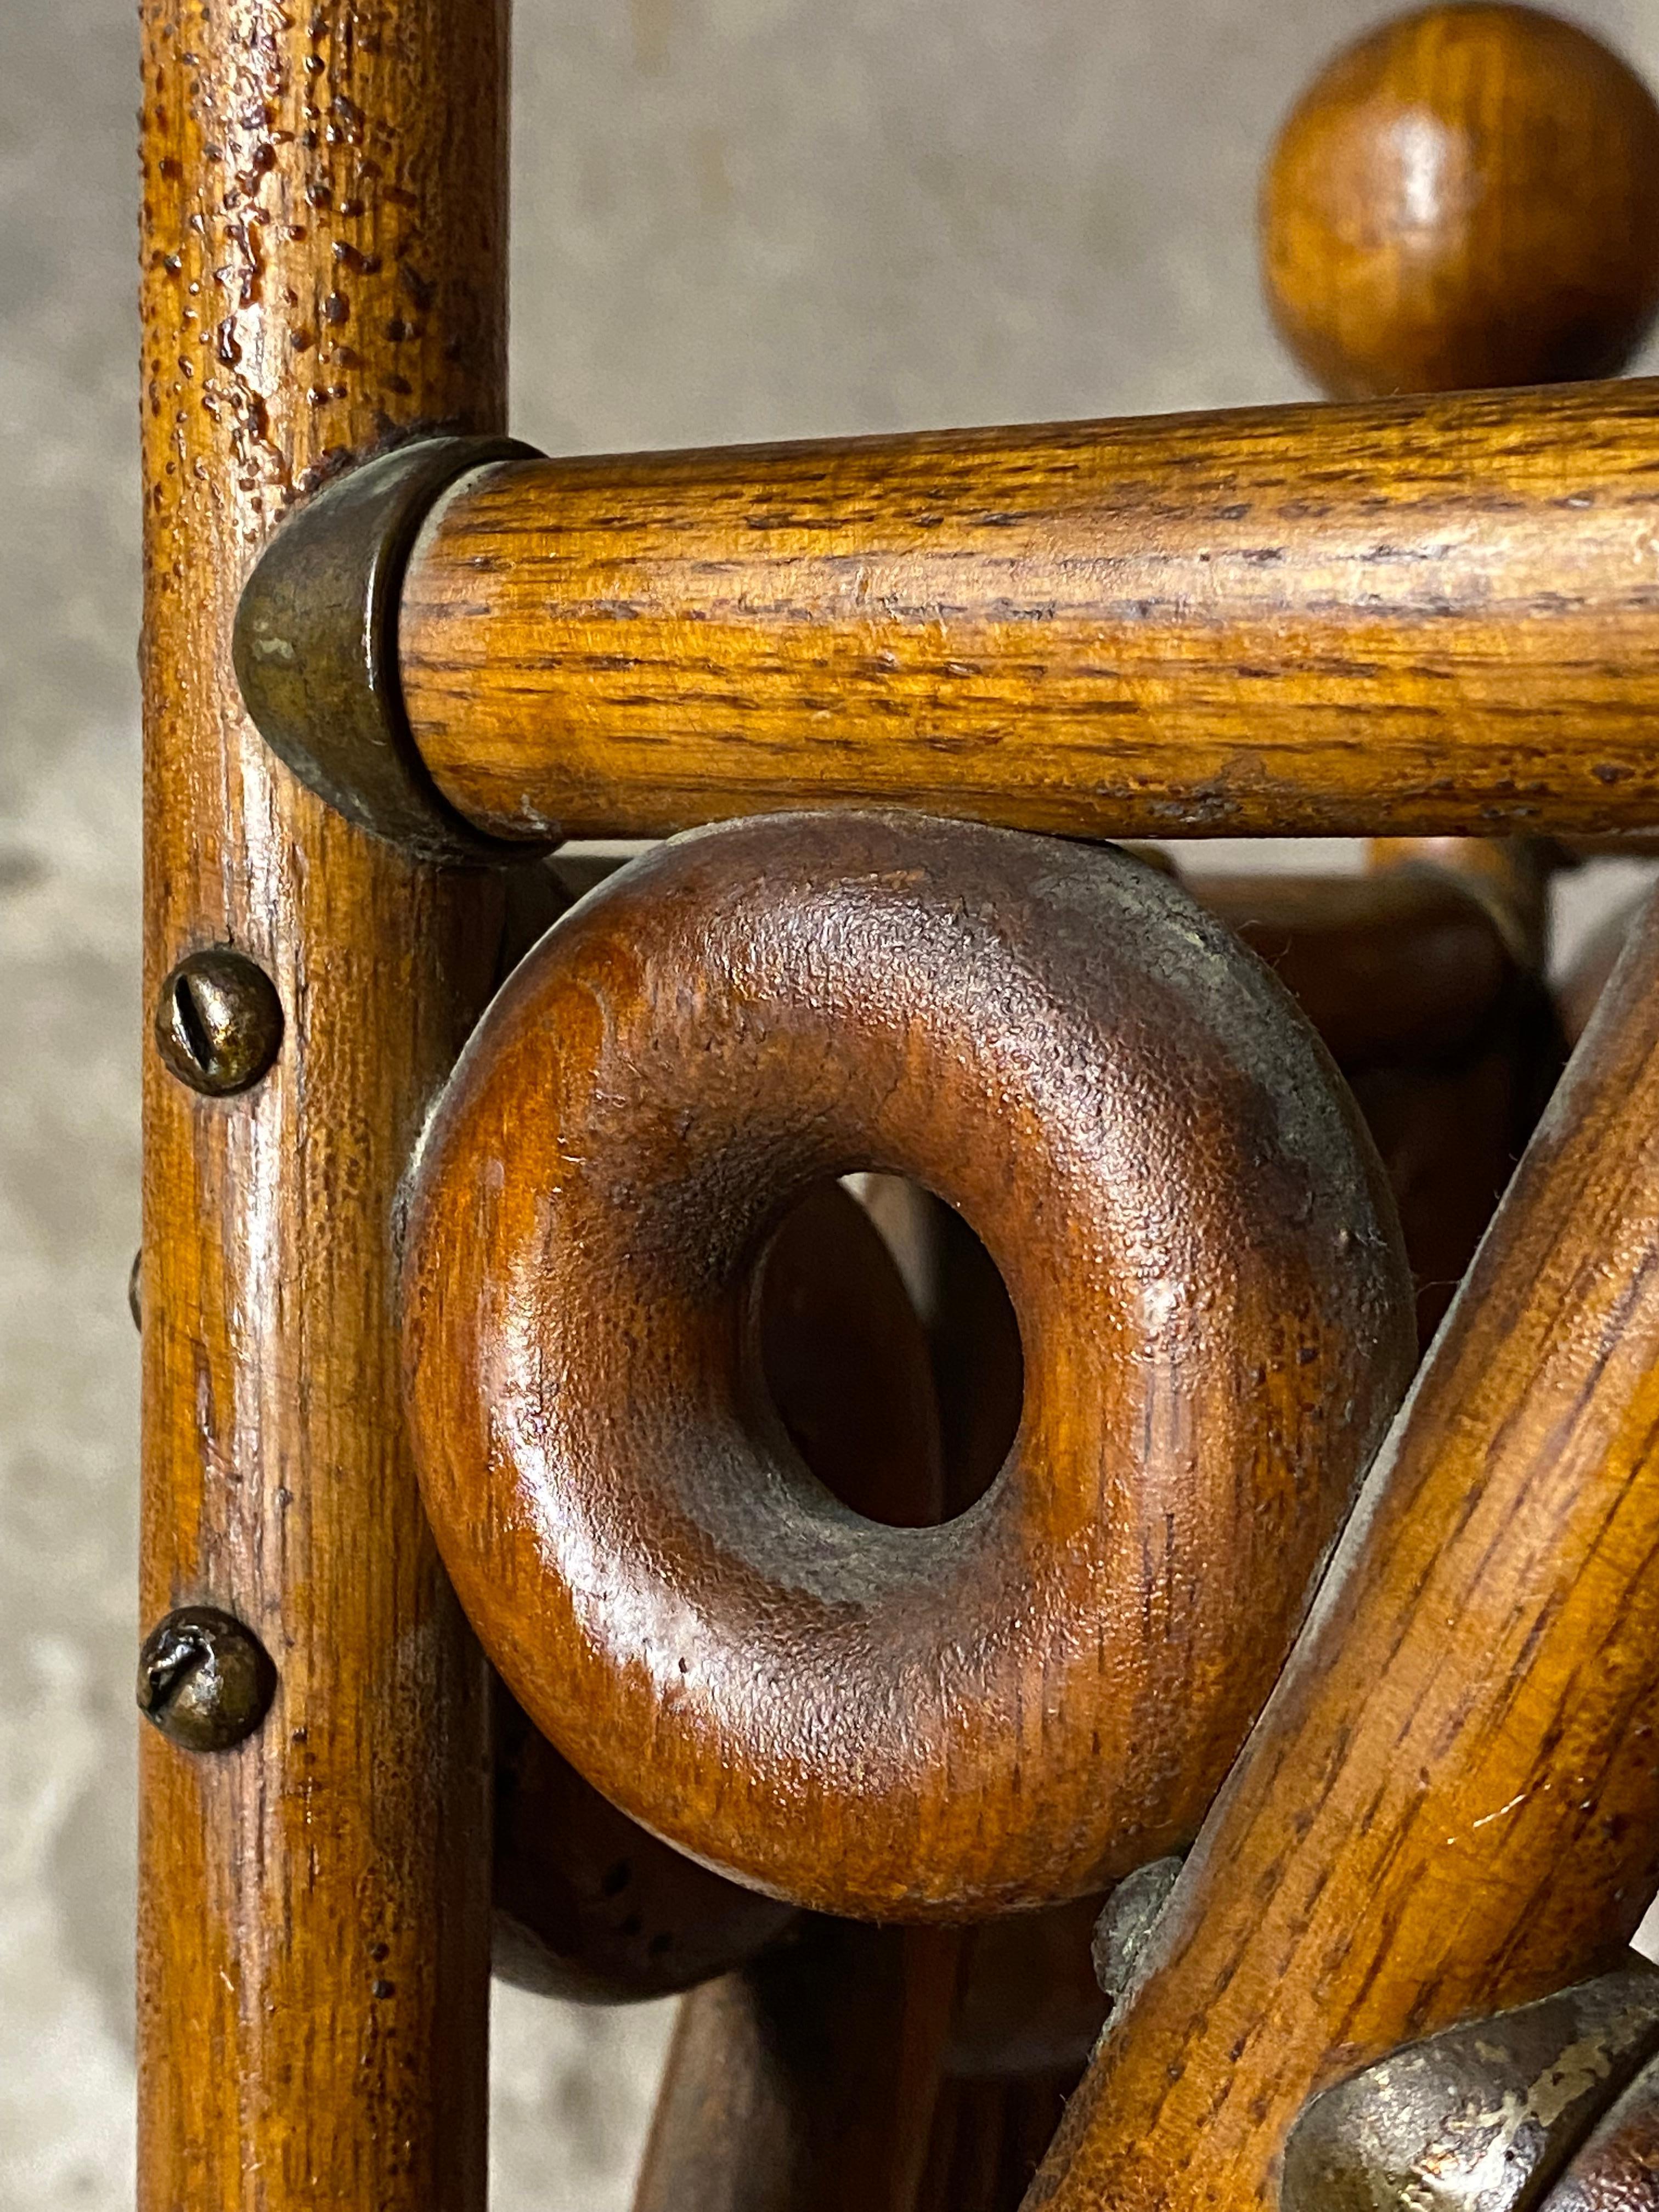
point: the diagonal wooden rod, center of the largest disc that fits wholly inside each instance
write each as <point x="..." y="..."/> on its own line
<point x="1430" y="615"/>
<point x="1452" y="1803"/>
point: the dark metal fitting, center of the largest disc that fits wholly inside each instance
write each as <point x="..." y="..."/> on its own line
<point x="316" y="647"/>
<point x="204" y="1680"/>
<point x="136" y="1290"/>
<point x="218" y="1021"/>
<point x="1127" y="1922"/>
<point x="1617" y="2169"/>
<point x="1482" y="2117"/>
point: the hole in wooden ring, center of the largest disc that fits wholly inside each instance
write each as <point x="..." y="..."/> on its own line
<point x="888" y="1348"/>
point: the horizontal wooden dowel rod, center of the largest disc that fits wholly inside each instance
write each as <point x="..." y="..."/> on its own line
<point x="1434" y="615"/>
<point x="1450" y="1804"/>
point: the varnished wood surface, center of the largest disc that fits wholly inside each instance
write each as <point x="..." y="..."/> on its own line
<point x="1194" y="1231"/>
<point x="807" y="2083"/>
<point x="1450" y="1133"/>
<point x="1450" y="1804"/>
<point x="323" y="238"/>
<point x="988" y="2140"/>
<point x="1400" y="966"/>
<point x="846" y="1362"/>
<point x="1421" y="979"/>
<point x="979" y="1365"/>
<point x="588" y="1904"/>
<point x="1467" y="195"/>
<point x="1509" y="877"/>
<point x="1423" y="616"/>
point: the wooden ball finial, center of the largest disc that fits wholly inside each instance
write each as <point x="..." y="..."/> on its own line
<point x="1469" y="197"/>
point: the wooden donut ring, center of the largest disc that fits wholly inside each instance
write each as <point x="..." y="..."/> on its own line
<point x="588" y="1905"/>
<point x="1019" y="1705"/>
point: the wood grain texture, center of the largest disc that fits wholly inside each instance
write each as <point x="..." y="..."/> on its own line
<point x="1468" y="196"/>
<point x="808" y="2083"/>
<point x="1449" y="1039"/>
<point x="588" y="1904"/>
<point x="1014" y="1708"/>
<point x="988" y="2141"/>
<point x="1450" y="1804"/>
<point x="1423" y="616"/>
<point x="322" y="240"/>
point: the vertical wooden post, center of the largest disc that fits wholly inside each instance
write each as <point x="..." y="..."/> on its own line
<point x="323" y="241"/>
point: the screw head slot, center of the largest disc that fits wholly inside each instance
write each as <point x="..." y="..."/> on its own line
<point x="218" y="1022"/>
<point x="204" y="1680"/>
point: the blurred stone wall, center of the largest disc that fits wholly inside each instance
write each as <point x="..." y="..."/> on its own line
<point x="735" y="219"/>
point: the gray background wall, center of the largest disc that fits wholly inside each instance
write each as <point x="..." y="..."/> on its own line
<point x="735" y="219"/>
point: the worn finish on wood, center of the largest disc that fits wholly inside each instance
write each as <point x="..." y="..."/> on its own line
<point x="808" y="2083"/>
<point x="1345" y="620"/>
<point x="1450" y="1805"/>
<point x="1411" y="982"/>
<point x="782" y="2091"/>
<point x="1194" y="1231"/>
<point x="1468" y="196"/>
<point x="323" y="268"/>
<point x="588" y="1904"/>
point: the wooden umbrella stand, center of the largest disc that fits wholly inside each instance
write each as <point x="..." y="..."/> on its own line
<point x="572" y="1533"/>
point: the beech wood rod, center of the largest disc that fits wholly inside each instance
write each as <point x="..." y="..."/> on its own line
<point x="1433" y="614"/>
<point x="323" y="268"/>
<point x="808" y="2082"/>
<point x="1450" y="1804"/>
